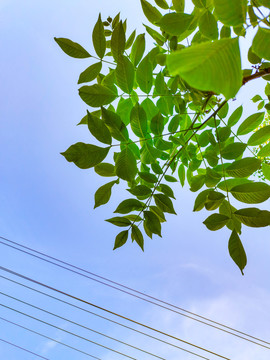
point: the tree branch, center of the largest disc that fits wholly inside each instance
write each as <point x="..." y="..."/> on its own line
<point x="256" y="75"/>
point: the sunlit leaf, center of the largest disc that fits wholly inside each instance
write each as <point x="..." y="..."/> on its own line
<point x="231" y="12"/>
<point x="164" y="203"/>
<point x="151" y="178"/>
<point x="235" y="116"/>
<point x="157" y="124"/>
<point x="251" y="193"/>
<point x="98" y="37"/>
<point x="138" y="121"/>
<point x="216" y="221"/>
<point x="208" y="25"/>
<point x="129" y="205"/>
<point x="119" y="221"/>
<point x="144" y="75"/>
<point x="266" y="171"/>
<point x="137" y="49"/>
<point x="90" y="73"/>
<point x="98" y="129"/>
<point x="244" y="167"/>
<point x="126" y="165"/>
<point x="118" y="41"/>
<point x="103" y="194"/>
<point x="260" y="136"/>
<point x="115" y="125"/>
<point x="72" y="49"/>
<point x="140" y="190"/>
<point x="152" y="14"/>
<point x="237" y="251"/>
<point x="199" y="65"/>
<point x="260" y="45"/>
<point x="152" y="222"/>
<point x="179" y="5"/>
<point x="253" y="217"/>
<point x="97" y="95"/>
<point x="121" y="239"/>
<point x="265" y="151"/>
<point x="105" y="169"/>
<point x="233" y="151"/>
<point x="162" y="4"/>
<point x="175" y="23"/>
<point x="137" y="236"/>
<point x="124" y="74"/>
<point x="251" y="123"/>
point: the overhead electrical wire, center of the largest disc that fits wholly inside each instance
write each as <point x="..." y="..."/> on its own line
<point x="49" y="338"/>
<point x="21" y="348"/>
<point x="111" y="312"/>
<point x="67" y="332"/>
<point x="136" y="291"/>
<point x="101" y="317"/>
<point x="80" y="325"/>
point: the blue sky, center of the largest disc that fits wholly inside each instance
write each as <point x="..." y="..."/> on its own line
<point x="47" y="203"/>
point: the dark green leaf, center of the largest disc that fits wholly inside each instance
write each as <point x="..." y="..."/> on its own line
<point x="115" y="125"/>
<point x="144" y="75"/>
<point x="166" y="190"/>
<point x="251" y="193"/>
<point x="90" y="73"/>
<point x="170" y="178"/>
<point x="137" y="236"/>
<point x="201" y="200"/>
<point x="199" y="65"/>
<point x="97" y="95"/>
<point x="72" y="49"/>
<point x="156" y="168"/>
<point x="179" y="5"/>
<point x="260" y="43"/>
<point x="235" y="116"/>
<point x="233" y="151"/>
<point x="149" y="153"/>
<point x="119" y="221"/>
<point x="129" y="205"/>
<point x="251" y="123"/>
<point x="231" y="12"/>
<point x="140" y="190"/>
<point x="216" y="221"/>
<point x="155" y="35"/>
<point x="124" y="74"/>
<point x="197" y="182"/>
<point x="253" y="217"/>
<point x="130" y="40"/>
<point x="98" y="37"/>
<point x="181" y="174"/>
<point x="150" y="178"/>
<point x="175" y="23"/>
<point x="244" y="167"/>
<point x="162" y="4"/>
<point x="121" y="239"/>
<point x="98" y="129"/>
<point x="137" y="49"/>
<point x="157" y="124"/>
<point x="138" y="121"/>
<point x="126" y="165"/>
<point x="208" y="25"/>
<point x="118" y="41"/>
<point x="105" y="169"/>
<point x="152" y="222"/>
<point x="164" y="203"/>
<point x="237" y="251"/>
<point x="260" y="136"/>
<point x="85" y="156"/>
<point x="151" y="13"/>
<point x="103" y="194"/>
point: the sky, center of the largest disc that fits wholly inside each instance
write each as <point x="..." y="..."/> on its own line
<point x="47" y="203"/>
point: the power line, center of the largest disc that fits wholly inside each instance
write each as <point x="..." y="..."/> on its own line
<point x="82" y="326"/>
<point x="110" y="312"/>
<point x="49" y="338"/>
<point x="66" y="331"/>
<point x="136" y="291"/>
<point x="103" y="317"/>
<point x="21" y="348"/>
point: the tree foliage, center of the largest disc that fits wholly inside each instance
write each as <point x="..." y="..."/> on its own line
<point x="164" y="115"/>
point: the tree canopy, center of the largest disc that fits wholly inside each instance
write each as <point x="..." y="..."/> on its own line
<point x="164" y="115"/>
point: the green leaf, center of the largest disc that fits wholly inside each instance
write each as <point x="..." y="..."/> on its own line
<point x="265" y="3"/>
<point x="214" y="200"/>
<point x="138" y="121"/>
<point x="197" y="182"/>
<point x="235" y="116"/>
<point x="150" y="178"/>
<point x="144" y="75"/>
<point x="98" y="37"/>
<point x="72" y="49"/>
<point x="105" y="169"/>
<point x="124" y="74"/>
<point x="157" y="124"/>
<point x="124" y="108"/>
<point x="158" y="213"/>
<point x="121" y="239"/>
<point x="251" y="193"/>
<point x="115" y="125"/>
<point x="260" y="44"/>
<point x="97" y="95"/>
<point x="170" y="178"/>
<point x="208" y="25"/>
<point x="140" y="190"/>
<point x="251" y="123"/>
<point x="103" y="194"/>
<point x="266" y="171"/>
<point x="175" y="23"/>
<point x="265" y="151"/>
<point x="155" y="35"/>
<point x="137" y="236"/>
<point x="230" y="183"/>
<point x="151" y="13"/>
<point x="90" y="73"/>
<point x="231" y="12"/>
<point x="225" y="32"/>
<point x="227" y="209"/>
<point x="126" y="165"/>
<point x="149" y="154"/>
<point x="118" y="41"/>
<point x="237" y="251"/>
<point x="156" y="168"/>
<point x="253" y="217"/>
<point x="181" y="174"/>
<point x="162" y="4"/>
<point x="137" y="49"/>
<point x="216" y="221"/>
<point x="199" y="65"/>
<point x="152" y="222"/>
<point x="233" y="151"/>
<point x="199" y="3"/>
<point x="166" y="190"/>
<point x="85" y="156"/>
<point x="98" y="129"/>
<point x="130" y="40"/>
<point x="179" y="5"/>
<point x="201" y="200"/>
<point x="244" y="167"/>
<point x="129" y="205"/>
<point x="119" y="221"/>
<point x="164" y="203"/>
<point x="260" y="136"/>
